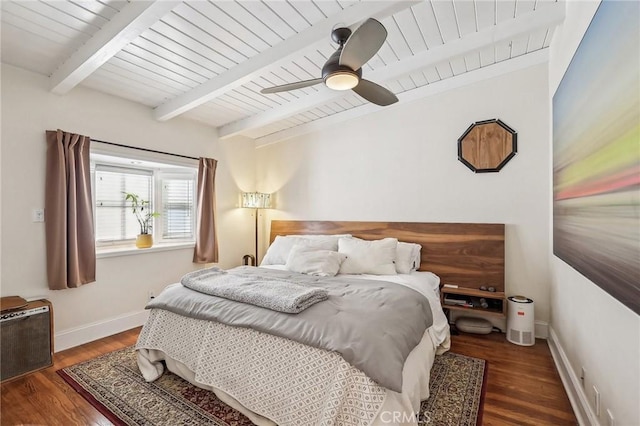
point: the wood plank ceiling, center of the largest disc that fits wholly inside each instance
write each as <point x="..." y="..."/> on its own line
<point x="208" y="60"/>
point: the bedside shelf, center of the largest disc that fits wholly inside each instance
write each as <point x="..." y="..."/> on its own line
<point x="496" y="298"/>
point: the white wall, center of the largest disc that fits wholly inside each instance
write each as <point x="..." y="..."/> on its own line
<point x="594" y="330"/>
<point x="400" y="164"/>
<point x="28" y="109"/>
<point x="0" y="182"/>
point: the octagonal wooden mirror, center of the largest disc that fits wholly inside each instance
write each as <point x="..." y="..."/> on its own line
<point x="486" y="146"/>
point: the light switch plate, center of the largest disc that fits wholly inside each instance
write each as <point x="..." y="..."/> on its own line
<point x="37" y="215"/>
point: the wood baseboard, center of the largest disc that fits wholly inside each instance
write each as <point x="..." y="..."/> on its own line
<point x="571" y="382"/>
<point x="88" y="333"/>
<point x="541" y="329"/>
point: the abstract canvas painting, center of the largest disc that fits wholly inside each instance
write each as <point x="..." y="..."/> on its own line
<point x="596" y="155"/>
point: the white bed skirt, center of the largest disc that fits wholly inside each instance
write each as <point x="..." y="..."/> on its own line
<point x="393" y="408"/>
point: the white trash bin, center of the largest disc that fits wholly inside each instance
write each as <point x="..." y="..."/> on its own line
<point x="520" y="321"/>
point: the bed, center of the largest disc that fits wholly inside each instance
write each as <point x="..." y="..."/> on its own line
<point x="277" y="380"/>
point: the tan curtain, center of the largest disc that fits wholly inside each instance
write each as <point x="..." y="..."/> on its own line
<point x="71" y="247"/>
<point x="206" y="250"/>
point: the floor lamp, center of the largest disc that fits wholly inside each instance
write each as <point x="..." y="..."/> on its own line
<point x="256" y="201"/>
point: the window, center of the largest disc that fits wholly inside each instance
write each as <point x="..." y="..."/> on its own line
<point x="113" y="218"/>
<point x="170" y="190"/>
<point x="178" y="207"/>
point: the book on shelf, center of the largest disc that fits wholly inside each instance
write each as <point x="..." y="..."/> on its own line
<point x="452" y="301"/>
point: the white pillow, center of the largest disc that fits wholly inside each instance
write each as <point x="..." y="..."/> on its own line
<point x="279" y="250"/>
<point x="407" y="257"/>
<point x="308" y="260"/>
<point x="323" y="237"/>
<point x="368" y="257"/>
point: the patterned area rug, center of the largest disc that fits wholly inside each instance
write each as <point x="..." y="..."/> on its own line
<point x="113" y="384"/>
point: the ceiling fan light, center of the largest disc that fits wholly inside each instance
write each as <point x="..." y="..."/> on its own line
<point x="342" y="80"/>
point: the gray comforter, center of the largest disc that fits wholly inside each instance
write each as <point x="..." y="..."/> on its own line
<point x="374" y="325"/>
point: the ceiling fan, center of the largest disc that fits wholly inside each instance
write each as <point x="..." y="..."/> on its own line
<point x="343" y="69"/>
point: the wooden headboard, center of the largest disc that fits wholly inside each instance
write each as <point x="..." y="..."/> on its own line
<point x="467" y="254"/>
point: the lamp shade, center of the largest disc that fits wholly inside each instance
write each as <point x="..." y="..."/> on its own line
<point x="256" y="200"/>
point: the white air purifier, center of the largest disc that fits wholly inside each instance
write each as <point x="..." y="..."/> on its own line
<point x="520" y="321"/>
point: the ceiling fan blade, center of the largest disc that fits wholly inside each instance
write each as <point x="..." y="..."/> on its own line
<point x="375" y="93"/>
<point x="363" y="44"/>
<point x="292" y="86"/>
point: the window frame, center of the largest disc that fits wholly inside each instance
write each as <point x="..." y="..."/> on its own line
<point x="146" y="164"/>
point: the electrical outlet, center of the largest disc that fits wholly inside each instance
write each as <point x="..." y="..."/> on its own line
<point x="596" y="399"/>
<point x="150" y="296"/>
<point x="582" y="376"/>
<point x="611" y="421"/>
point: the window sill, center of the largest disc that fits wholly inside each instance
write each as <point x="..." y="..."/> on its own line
<point x="132" y="250"/>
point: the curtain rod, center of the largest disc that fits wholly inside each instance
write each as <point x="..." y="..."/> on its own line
<point x="144" y="149"/>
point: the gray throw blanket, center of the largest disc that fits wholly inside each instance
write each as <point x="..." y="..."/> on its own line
<point x="275" y="294"/>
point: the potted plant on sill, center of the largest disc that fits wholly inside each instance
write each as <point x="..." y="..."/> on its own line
<point x="140" y="209"/>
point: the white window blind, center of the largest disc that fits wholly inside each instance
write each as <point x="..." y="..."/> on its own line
<point x="178" y="207"/>
<point x="169" y="188"/>
<point x="114" y="219"/>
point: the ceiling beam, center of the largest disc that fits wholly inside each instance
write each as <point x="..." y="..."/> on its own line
<point x="135" y="18"/>
<point x="480" y="74"/>
<point x="282" y="52"/>
<point x="547" y="17"/>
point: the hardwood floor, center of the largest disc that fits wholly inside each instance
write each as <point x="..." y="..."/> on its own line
<point x="523" y="386"/>
<point x="43" y="398"/>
